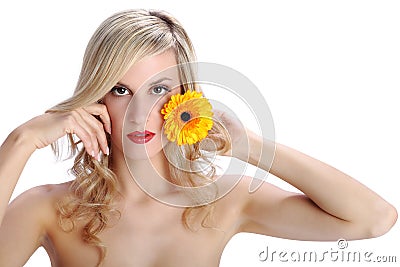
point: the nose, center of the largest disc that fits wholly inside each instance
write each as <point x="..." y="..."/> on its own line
<point x="140" y="109"/>
<point x="137" y="111"/>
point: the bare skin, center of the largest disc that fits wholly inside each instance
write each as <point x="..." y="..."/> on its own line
<point x="150" y="233"/>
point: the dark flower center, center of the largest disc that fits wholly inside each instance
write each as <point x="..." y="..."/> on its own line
<point x="185" y="116"/>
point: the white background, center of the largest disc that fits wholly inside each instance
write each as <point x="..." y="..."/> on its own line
<point x="329" y="71"/>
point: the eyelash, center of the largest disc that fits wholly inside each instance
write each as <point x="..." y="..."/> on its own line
<point x="115" y="88"/>
<point x="166" y="89"/>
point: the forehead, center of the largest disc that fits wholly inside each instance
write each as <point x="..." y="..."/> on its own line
<point x="150" y="69"/>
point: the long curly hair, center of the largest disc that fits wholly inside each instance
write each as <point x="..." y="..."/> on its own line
<point x="120" y="41"/>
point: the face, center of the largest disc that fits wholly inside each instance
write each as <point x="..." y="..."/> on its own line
<point x="135" y="102"/>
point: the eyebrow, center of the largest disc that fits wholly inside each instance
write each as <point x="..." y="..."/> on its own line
<point x="151" y="84"/>
<point x="160" y="80"/>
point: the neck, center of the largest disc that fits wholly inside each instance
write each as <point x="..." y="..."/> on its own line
<point x="135" y="176"/>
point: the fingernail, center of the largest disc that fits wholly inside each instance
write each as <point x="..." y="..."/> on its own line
<point x="92" y="154"/>
<point x="98" y="157"/>
<point x="107" y="151"/>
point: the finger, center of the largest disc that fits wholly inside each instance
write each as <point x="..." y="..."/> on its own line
<point x="97" y="128"/>
<point x="88" y="133"/>
<point x="76" y="125"/>
<point x="101" y="111"/>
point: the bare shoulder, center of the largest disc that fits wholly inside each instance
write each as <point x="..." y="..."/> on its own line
<point x="39" y="203"/>
<point x="34" y="211"/>
<point x="42" y="194"/>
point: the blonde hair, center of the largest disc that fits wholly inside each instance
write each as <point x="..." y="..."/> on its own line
<point x="119" y="42"/>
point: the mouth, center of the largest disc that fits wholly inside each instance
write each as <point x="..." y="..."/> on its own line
<point x="140" y="137"/>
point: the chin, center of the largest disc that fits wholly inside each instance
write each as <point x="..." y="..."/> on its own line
<point x="141" y="152"/>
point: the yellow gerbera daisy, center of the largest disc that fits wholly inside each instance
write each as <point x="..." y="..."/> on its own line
<point x="188" y="118"/>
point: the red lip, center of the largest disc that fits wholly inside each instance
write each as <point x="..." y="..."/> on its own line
<point x="140" y="137"/>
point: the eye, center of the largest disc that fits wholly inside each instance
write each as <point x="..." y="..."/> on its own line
<point x="159" y="90"/>
<point x="120" y="91"/>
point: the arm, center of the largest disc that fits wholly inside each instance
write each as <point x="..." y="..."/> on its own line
<point x="14" y="153"/>
<point x="23" y="223"/>
<point x="334" y="205"/>
<point x="42" y="131"/>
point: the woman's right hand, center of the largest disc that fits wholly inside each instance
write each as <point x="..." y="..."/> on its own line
<point x="45" y="129"/>
<point x="33" y="209"/>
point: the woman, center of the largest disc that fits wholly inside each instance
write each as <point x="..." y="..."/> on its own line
<point x="104" y="218"/>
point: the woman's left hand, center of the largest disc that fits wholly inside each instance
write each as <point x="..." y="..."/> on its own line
<point x="237" y="132"/>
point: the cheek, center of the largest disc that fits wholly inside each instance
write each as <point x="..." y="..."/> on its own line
<point x="157" y="117"/>
<point x="116" y="111"/>
<point x="155" y="122"/>
<point x="117" y="119"/>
